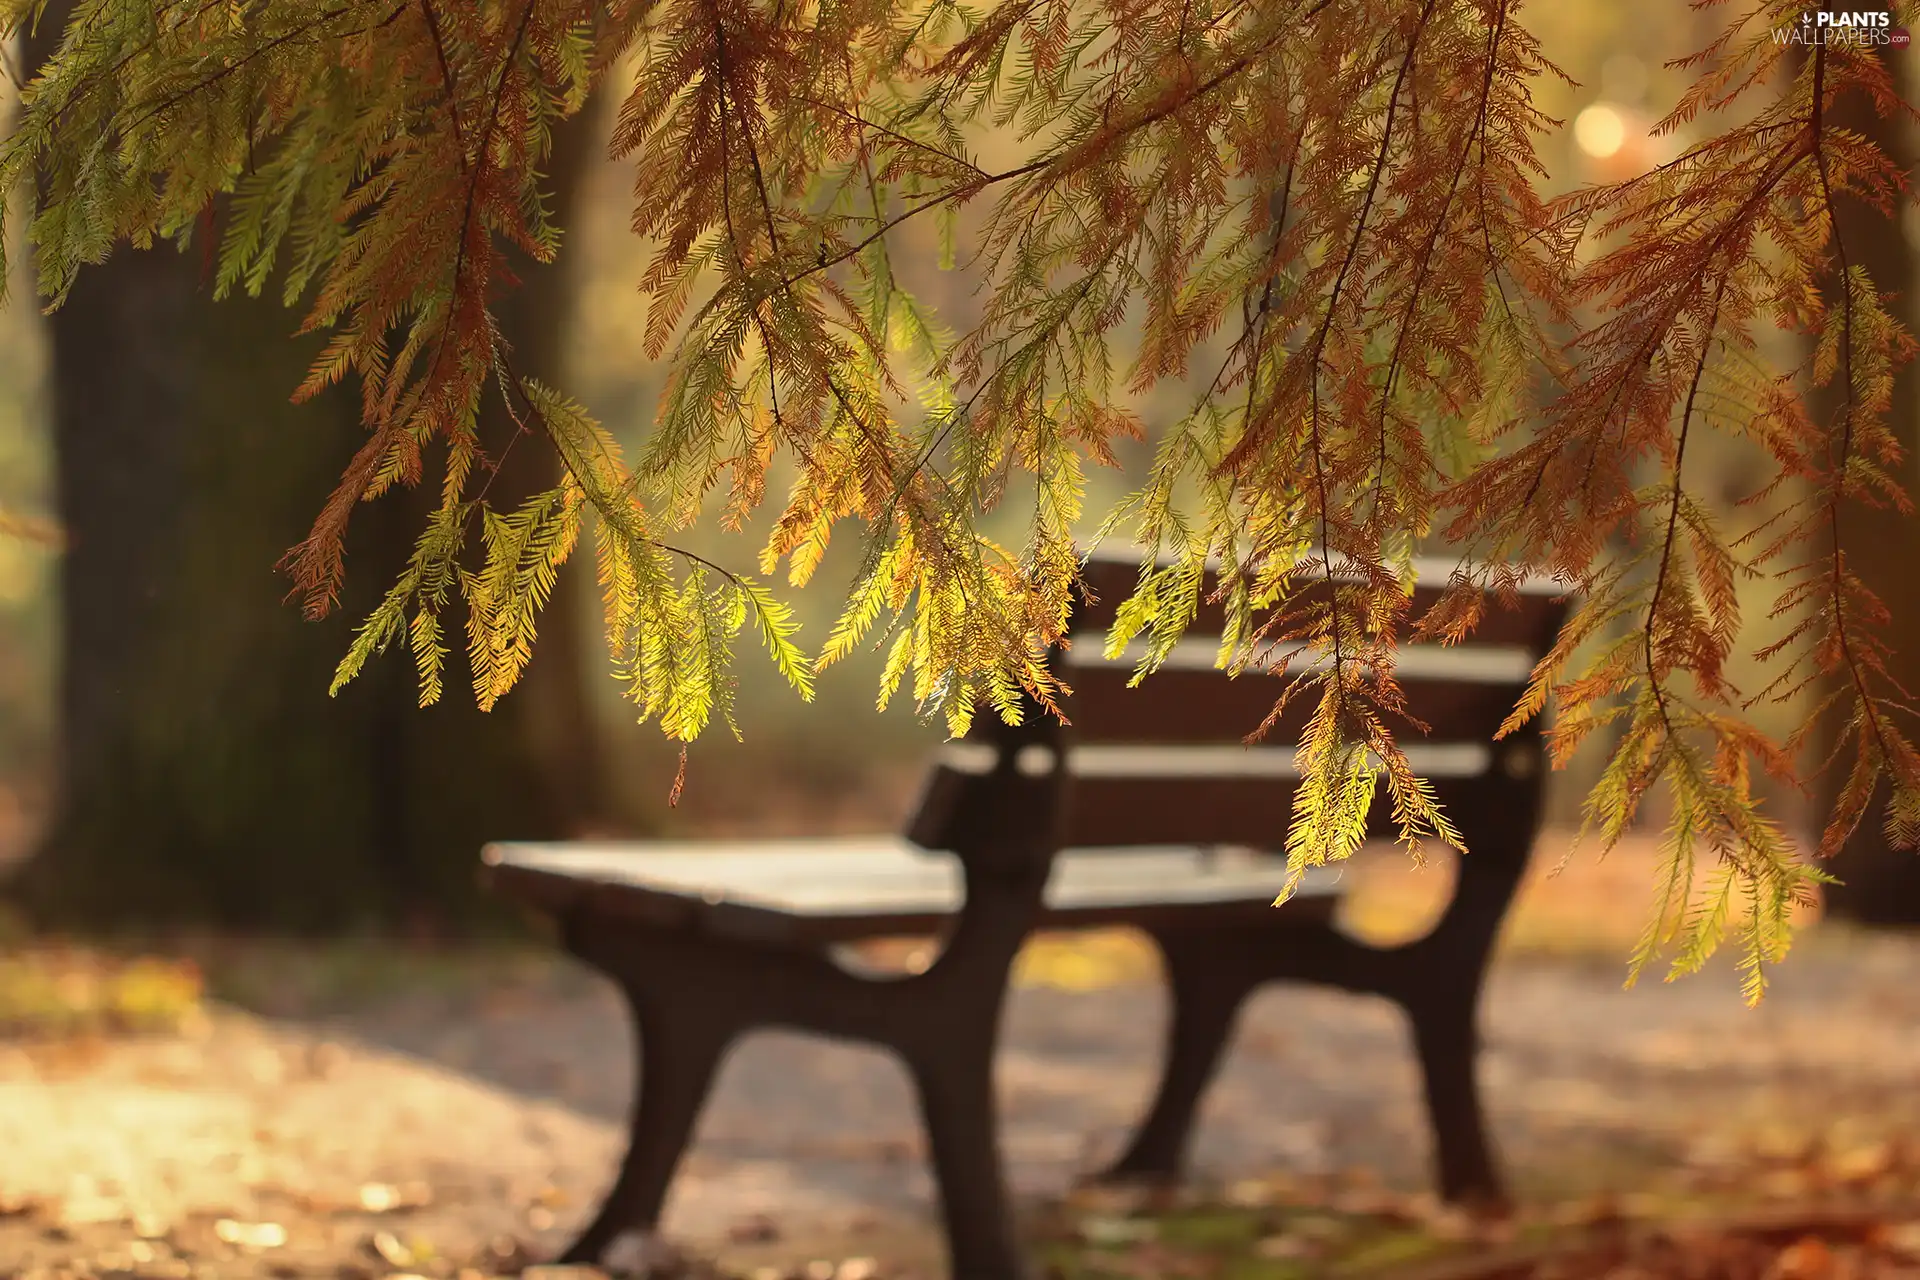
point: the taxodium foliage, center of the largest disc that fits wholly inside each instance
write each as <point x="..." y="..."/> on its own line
<point x="1323" y="214"/>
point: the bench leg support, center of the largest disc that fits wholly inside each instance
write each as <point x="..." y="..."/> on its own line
<point x="1206" y="995"/>
<point x="943" y="1024"/>
<point x="957" y="1107"/>
<point x="1212" y="974"/>
<point x="1447" y="1040"/>
<point x="678" y="1057"/>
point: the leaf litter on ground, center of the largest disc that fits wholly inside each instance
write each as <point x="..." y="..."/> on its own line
<point x="1854" y="1214"/>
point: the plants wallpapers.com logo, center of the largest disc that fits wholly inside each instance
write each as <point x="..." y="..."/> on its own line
<point x="1864" y="29"/>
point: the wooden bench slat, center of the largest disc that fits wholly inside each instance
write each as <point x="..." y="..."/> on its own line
<point x="1113" y="577"/>
<point x="1428" y="569"/>
<point x="1185" y="705"/>
<point x="825" y="888"/>
<point x="1240" y="810"/>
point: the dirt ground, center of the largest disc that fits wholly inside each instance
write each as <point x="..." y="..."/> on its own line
<point x="429" y="1115"/>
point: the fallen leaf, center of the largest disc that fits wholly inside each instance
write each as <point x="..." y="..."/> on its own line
<point x="1151" y="1260"/>
<point x="1112" y="1198"/>
<point x="1371" y="1202"/>
<point x="1286" y="1248"/>
<point x="1317" y="1226"/>
<point x="1902" y="1239"/>
<point x="18" y="1206"/>
<point x="1807" y="1258"/>
<point x="1786" y="1184"/>
<point x="379" y="1197"/>
<point x="1782" y="1143"/>
<point x="266" y="1066"/>
<point x="1103" y="1231"/>
<point x="87" y="1211"/>
<point x="1717" y="1154"/>
<point x="509" y="1252"/>
<point x="250" y="1235"/>
<point x="1592" y="1211"/>
<point x="1641" y="1204"/>
<point x="391" y="1250"/>
<point x="1252" y="1193"/>
<point x="1862" y="1164"/>
<point x="1452" y="1224"/>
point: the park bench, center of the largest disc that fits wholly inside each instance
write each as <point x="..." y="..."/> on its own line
<point x="1145" y="811"/>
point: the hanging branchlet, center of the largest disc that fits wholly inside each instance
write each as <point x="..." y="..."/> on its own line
<point x="1348" y="256"/>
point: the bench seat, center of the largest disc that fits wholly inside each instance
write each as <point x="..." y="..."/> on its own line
<point x="837" y="889"/>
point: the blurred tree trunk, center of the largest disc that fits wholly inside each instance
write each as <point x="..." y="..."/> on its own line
<point x="205" y="774"/>
<point x="1882" y="884"/>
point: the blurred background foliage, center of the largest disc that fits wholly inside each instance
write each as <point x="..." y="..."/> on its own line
<point x="161" y="789"/>
<point x="27" y="569"/>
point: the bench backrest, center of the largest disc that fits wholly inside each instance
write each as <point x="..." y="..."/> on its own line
<point x="1165" y="762"/>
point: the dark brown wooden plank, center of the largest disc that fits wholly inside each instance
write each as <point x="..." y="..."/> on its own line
<point x="1534" y="623"/>
<point x="1252" y="811"/>
<point x="1208" y="706"/>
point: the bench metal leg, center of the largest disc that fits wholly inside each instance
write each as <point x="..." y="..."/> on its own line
<point x="677" y="1057"/>
<point x="943" y="1024"/>
<point x="957" y="1107"/>
<point x="1447" y="1040"/>
<point x="1439" y="985"/>
<point x="1207" y="991"/>
<point x="1436" y="981"/>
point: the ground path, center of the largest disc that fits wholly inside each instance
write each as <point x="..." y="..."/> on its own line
<point x="497" y="1104"/>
